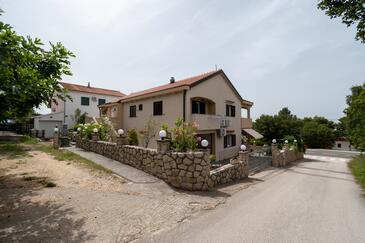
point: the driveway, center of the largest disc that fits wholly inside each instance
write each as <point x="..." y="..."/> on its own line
<point x="315" y="200"/>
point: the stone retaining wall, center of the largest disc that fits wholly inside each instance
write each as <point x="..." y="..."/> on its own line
<point x="189" y="171"/>
<point x="285" y="156"/>
<point x="236" y="170"/>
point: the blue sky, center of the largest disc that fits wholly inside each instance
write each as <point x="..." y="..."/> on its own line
<point x="277" y="53"/>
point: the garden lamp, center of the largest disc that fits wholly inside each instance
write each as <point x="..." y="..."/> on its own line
<point x="204" y="143"/>
<point x="162" y="134"/>
<point x="243" y="147"/>
<point x="120" y="132"/>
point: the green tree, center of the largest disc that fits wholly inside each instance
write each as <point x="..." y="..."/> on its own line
<point x="352" y="12"/>
<point x="133" y="137"/>
<point x="278" y="126"/>
<point x="29" y="74"/>
<point x="318" y="133"/>
<point x="355" y="116"/>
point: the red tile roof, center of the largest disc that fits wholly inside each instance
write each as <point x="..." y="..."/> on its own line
<point x="184" y="82"/>
<point x="93" y="90"/>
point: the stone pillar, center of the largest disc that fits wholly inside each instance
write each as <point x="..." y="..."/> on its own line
<point x="275" y="155"/>
<point x="286" y="147"/>
<point x="206" y="151"/>
<point x="163" y="146"/>
<point x="122" y="140"/>
<point x="95" y="137"/>
<point x="56" y="140"/>
<point x="243" y="156"/>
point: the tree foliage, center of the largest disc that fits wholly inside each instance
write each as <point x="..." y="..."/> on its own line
<point x="316" y="132"/>
<point x="355" y="116"/>
<point x="278" y="126"/>
<point x="29" y="74"/>
<point x="318" y="135"/>
<point x="352" y="12"/>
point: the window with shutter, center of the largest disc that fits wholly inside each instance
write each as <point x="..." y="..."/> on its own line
<point x="132" y="111"/>
<point x="157" y="108"/>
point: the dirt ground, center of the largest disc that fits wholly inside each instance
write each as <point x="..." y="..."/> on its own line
<point x="88" y="204"/>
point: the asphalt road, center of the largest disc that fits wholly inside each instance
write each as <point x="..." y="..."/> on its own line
<point x="316" y="200"/>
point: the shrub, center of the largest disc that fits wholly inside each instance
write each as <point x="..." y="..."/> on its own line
<point x="105" y="130"/>
<point x="133" y="137"/>
<point x="184" y="136"/>
<point x="212" y="158"/>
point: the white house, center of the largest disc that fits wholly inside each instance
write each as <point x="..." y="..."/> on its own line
<point x="84" y="98"/>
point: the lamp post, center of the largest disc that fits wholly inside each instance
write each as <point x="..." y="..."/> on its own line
<point x="122" y="139"/>
<point x="95" y="136"/>
<point x="163" y="144"/>
<point x="204" y="143"/>
<point x="56" y="138"/>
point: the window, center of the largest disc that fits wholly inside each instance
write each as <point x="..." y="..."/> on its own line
<point x="132" y="111"/>
<point x="85" y="101"/>
<point x="197" y="107"/>
<point x="101" y="101"/>
<point x="230" y="110"/>
<point x="140" y="107"/>
<point x="230" y="140"/>
<point x="157" y="108"/>
<point x="338" y="145"/>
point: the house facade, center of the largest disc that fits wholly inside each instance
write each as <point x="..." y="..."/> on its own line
<point x="85" y="98"/>
<point x="209" y="99"/>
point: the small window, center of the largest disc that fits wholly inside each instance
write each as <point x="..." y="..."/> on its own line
<point x="157" y="108"/>
<point x="101" y="101"/>
<point x="338" y="145"/>
<point x="230" y="110"/>
<point x="85" y="101"/>
<point x="230" y="141"/>
<point x="198" y="107"/>
<point x="132" y="111"/>
<point x="140" y="107"/>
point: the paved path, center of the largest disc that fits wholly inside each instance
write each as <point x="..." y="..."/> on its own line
<point x="129" y="173"/>
<point x="332" y="153"/>
<point x="316" y="200"/>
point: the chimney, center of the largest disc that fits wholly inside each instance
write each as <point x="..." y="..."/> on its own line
<point x="172" y="80"/>
<point x="88" y="84"/>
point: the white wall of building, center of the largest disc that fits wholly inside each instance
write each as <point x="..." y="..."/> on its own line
<point x="69" y="107"/>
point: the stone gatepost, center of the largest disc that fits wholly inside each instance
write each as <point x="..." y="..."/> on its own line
<point x="56" y="139"/>
<point x="122" y="140"/>
<point x="275" y="155"/>
<point x="243" y="156"/>
<point x="163" y="146"/>
<point x="95" y="137"/>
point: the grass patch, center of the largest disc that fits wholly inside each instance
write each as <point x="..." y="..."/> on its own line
<point x="357" y="167"/>
<point x="41" y="180"/>
<point x="64" y="155"/>
<point x="29" y="140"/>
<point x="12" y="151"/>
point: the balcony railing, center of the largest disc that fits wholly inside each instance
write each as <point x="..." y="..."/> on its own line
<point x="246" y="123"/>
<point x="207" y="122"/>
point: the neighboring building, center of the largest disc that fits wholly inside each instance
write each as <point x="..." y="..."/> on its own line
<point x="342" y="143"/>
<point x="84" y="98"/>
<point x="209" y="99"/>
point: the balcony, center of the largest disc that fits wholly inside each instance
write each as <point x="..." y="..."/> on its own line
<point x="207" y="122"/>
<point x="246" y="123"/>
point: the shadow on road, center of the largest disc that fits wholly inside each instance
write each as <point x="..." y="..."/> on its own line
<point x="23" y="219"/>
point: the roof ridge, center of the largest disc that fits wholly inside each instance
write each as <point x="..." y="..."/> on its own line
<point x="186" y="81"/>
<point x="91" y="87"/>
